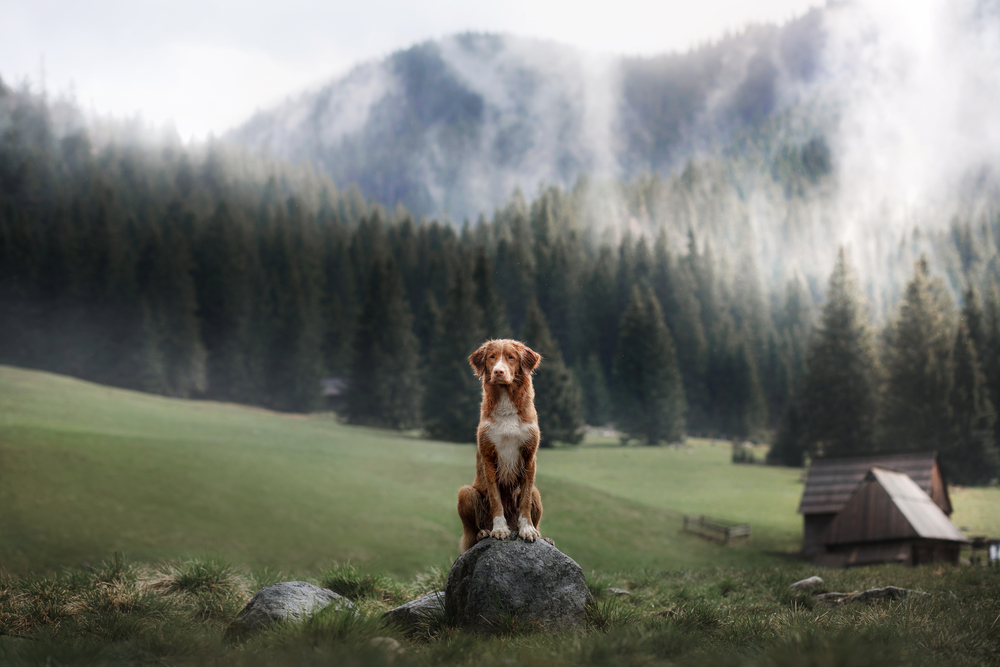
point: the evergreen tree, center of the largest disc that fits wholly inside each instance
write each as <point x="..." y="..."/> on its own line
<point x="675" y="289"/>
<point x="174" y="362"/>
<point x="840" y="388"/>
<point x="340" y="299"/>
<point x="599" y="306"/>
<point x="516" y="262"/>
<point x="596" y="396"/>
<point x="452" y="391"/>
<point x="487" y="297"/>
<point x="739" y="406"/>
<point x="295" y="348"/>
<point x="385" y="379"/>
<point x="790" y="444"/>
<point x="971" y="456"/>
<point x="557" y="396"/>
<point x="974" y="319"/>
<point x="649" y="394"/>
<point x="224" y="293"/>
<point x="916" y="408"/>
<point x="990" y="354"/>
<point x="428" y="326"/>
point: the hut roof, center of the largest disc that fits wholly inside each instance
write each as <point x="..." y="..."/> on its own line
<point x="889" y="505"/>
<point x="832" y="481"/>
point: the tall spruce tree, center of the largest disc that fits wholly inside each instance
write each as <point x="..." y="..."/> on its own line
<point x="649" y="393"/>
<point x="557" y="395"/>
<point x="916" y="407"/>
<point x="790" y="443"/>
<point x="175" y="358"/>
<point x="385" y="387"/>
<point x="596" y="396"/>
<point x="600" y="309"/>
<point x="840" y="388"/>
<point x="224" y="302"/>
<point x="295" y="350"/>
<point x="675" y="289"/>
<point x="486" y="295"/>
<point x="990" y="354"/>
<point x="452" y="390"/>
<point x="971" y="456"/>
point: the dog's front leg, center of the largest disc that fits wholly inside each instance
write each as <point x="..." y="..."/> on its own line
<point x="525" y="529"/>
<point x="500" y="530"/>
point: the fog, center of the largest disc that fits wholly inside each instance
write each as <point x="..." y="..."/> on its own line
<point x="903" y="96"/>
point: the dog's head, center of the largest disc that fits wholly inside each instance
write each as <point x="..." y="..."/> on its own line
<point x="504" y="361"/>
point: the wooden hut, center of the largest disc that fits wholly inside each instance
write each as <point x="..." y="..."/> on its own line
<point x="889" y="518"/>
<point x="832" y="481"/>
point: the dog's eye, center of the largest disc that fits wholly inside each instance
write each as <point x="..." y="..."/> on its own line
<point x="493" y="356"/>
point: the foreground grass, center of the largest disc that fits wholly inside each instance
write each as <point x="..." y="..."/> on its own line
<point x="177" y="613"/>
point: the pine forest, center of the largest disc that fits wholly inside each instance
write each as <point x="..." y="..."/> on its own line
<point x="208" y="272"/>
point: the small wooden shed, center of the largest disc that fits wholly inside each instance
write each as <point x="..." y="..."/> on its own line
<point x="889" y="518"/>
<point x="832" y="481"/>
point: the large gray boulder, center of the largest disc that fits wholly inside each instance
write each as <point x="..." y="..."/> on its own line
<point x="290" y="601"/>
<point x="497" y="581"/>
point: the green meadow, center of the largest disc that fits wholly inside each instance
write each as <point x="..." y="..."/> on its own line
<point x="134" y="528"/>
<point x="87" y="471"/>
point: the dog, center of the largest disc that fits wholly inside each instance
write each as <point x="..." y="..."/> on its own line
<point x="503" y="498"/>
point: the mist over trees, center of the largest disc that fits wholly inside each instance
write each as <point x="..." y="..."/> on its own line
<point x="211" y="273"/>
<point x="456" y="124"/>
<point x="923" y="389"/>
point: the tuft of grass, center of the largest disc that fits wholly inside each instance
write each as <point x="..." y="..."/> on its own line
<point x="599" y="582"/>
<point x="346" y="580"/>
<point x="212" y="575"/>
<point x="212" y="588"/>
<point x="611" y="614"/>
<point x="509" y="623"/>
<point x="429" y="580"/>
<point x="328" y="628"/>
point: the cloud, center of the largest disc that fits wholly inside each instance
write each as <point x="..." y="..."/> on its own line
<point x="916" y="89"/>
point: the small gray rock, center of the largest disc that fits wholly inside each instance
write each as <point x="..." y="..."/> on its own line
<point x="290" y="601"/>
<point x="872" y="595"/>
<point x="409" y="615"/>
<point x="806" y="584"/>
<point x="533" y="581"/>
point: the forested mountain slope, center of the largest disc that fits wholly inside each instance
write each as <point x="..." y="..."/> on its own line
<point x="453" y="126"/>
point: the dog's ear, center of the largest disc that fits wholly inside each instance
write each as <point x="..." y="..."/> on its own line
<point x="478" y="360"/>
<point x="529" y="360"/>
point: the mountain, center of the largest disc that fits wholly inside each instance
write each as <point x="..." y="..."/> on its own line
<point x="453" y="126"/>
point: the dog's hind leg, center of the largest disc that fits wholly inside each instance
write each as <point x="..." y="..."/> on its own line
<point x="536" y="512"/>
<point x="536" y="507"/>
<point x="469" y="501"/>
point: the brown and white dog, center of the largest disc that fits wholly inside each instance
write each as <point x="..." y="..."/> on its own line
<point x="503" y="497"/>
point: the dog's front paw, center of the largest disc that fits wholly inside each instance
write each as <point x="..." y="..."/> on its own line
<point x="526" y="531"/>
<point x="483" y="534"/>
<point x="500" y="530"/>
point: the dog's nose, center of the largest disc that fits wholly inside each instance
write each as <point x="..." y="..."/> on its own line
<point x="498" y="371"/>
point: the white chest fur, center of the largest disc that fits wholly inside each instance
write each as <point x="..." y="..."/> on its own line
<point x="508" y="434"/>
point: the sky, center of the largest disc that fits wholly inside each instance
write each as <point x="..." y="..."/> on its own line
<point x="207" y="65"/>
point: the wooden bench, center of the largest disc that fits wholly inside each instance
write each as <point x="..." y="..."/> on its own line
<point x="716" y="529"/>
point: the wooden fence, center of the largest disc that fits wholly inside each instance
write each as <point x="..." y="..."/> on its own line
<point x="715" y="529"/>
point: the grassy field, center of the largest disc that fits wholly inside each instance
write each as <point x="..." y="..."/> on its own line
<point x="87" y="470"/>
<point x="212" y="501"/>
<point x="178" y="613"/>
